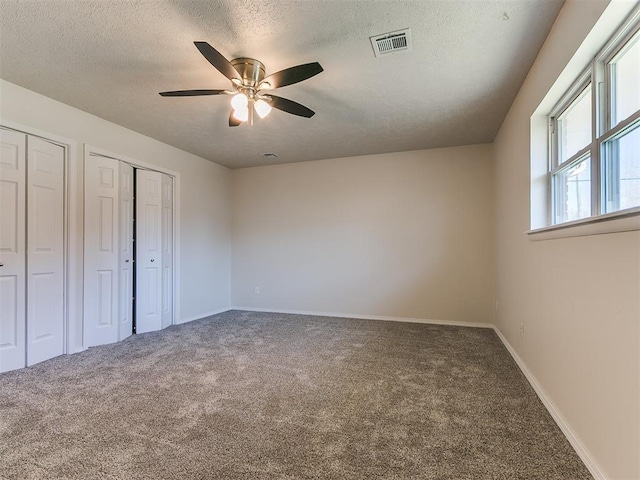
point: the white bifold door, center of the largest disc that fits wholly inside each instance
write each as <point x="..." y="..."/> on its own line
<point x="121" y="251"/>
<point x="101" y="250"/>
<point x="154" y="251"/>
<point x="31" y="250"/>
<point x="125" y="308"/>
<point x="148" y="251"/>
<point x="167" y="251"/>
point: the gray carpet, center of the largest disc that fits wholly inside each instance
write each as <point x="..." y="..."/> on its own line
<point x="251" y="395"/>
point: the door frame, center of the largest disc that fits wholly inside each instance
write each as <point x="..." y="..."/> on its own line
<point x="72" y="329"/>
<point x="89" y="151"/>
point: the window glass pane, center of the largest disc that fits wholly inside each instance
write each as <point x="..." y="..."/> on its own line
<point x="625" y="73"/>
<point x="573" y="192"/>
<point x="574" y="126"/>
<point x="622" y="171"/>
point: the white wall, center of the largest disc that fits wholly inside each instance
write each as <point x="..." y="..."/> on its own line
<point x="579" y="298"/>
<point x="401" y="235"/>
<point x="205" y="248"/>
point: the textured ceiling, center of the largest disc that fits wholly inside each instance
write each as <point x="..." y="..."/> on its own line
<point x="112" y="57"/>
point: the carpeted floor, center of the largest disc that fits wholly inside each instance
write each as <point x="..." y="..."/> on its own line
<point x="268" y="396"/>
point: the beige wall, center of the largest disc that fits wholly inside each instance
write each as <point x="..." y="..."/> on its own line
<point x="403" y="235"/>
<point x="578" y="298"/>
<point x="205" y="249"/>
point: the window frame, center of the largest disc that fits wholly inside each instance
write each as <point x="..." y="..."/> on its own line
<point x="598" y="75"/>
<point x="614" y="48"/>
<point x="556" y="166"/>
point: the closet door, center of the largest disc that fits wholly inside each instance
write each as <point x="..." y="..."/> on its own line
<point x="101" y="250"/>
<point x="148" y="251"/>
<point x="125" y="328"/>
<point x="45" y="250"/>
<point x="167" y="251"/>
<point x="12" y="250"/>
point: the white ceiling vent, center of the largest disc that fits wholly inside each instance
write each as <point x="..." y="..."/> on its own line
<point x="391" y="42"/>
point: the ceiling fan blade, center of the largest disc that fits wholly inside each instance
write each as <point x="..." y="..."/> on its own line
<point x="193" y="93"/>
<point x="292" y="75"/>
<point x="290" y="106"/>
<point x="216" y="59"/>
<point x="233" y="121"/>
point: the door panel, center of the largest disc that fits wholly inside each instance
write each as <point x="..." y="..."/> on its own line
<point x="148" y="251"/>
<point x="167" y="251"/>
<point x="106" y="215"/>
<point x="10" y="322"/>
<point x="105" y="300"/>
<point x="125" y="310"/>
<point x="42" y="205"/>
<point x="42" y="290"/>
<point x="101" y="250"/>
<point x="45" y="251"/>
<point x="150" y="296"/>
<point x="12" y="253"/>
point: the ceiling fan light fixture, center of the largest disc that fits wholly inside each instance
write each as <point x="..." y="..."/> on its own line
<point x="247" y="76"/>
<point x="262" y="108"/>
<point x="239" y="101"/>
<point x="241" y="114"/>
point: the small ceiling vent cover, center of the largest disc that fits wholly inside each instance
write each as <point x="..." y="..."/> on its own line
<point x="391" y="42"/>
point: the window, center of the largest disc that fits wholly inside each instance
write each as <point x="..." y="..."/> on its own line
<point x="571" y="159"/>
<point x="594" y="165"/>
<point x="621" y="141"/>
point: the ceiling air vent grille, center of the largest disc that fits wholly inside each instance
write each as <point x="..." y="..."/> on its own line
<point x="391" y="42"/>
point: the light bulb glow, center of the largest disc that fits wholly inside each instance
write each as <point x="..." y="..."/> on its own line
<point x="262" y="108"/>
<point x="239" y="101"/>
<point x="241" y="114"/>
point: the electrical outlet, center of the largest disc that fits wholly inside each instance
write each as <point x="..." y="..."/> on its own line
<point x="522" y="329"/>
<point x="257" y="291"/>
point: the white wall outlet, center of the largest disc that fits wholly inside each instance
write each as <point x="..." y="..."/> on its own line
<point x="522" y="329"/>
<point x="257" y="291"/>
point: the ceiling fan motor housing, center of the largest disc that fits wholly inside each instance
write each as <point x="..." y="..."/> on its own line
<point x="251" y="70"/>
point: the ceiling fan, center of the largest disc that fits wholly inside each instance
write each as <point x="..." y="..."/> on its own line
<point x="250" y="86"/>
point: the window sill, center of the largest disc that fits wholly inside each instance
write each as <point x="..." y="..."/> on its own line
<point x="622" y="221"/>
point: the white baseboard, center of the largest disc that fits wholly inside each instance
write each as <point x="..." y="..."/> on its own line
<point x="368" y="317"/>
<point x="575" y="442"/>
<point x="202" y="315"/>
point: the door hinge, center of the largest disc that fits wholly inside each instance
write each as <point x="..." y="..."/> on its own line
<point x="552" y="125"/>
